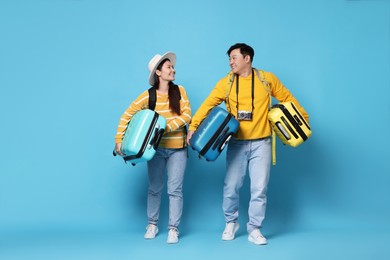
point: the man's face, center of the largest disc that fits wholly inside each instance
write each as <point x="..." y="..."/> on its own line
<point x="237" y="62"/>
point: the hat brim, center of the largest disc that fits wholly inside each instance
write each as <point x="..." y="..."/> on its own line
<point x="169" y="55"/>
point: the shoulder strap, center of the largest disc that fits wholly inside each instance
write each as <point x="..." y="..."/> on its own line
<point x="152" y="98"/>
<point x="228" y="89"/>
<point x="229" y="86"/>
<point x="260" y="75"/>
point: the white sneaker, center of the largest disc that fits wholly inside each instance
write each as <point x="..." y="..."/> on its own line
<point x="173" y="236"/>
<point x="151" y="231"/>
<point x="257" y="238"/>
<point x="230" y="231"/>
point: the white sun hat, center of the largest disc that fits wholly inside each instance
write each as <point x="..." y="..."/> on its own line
<point x="155" y="61"/>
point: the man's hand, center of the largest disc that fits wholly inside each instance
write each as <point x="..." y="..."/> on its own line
<point x="189" y="135"/>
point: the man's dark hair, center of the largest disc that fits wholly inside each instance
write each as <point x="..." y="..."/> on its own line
<point x="244" y="50"/>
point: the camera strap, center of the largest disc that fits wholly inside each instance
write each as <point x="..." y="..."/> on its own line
<point x="261" y="76"/>
<point x="253" y="91"/>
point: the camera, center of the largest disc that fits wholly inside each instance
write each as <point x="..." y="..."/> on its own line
<point x="244" y="115"/>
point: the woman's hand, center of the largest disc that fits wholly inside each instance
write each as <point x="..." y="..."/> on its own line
<point x="118" y="149"/>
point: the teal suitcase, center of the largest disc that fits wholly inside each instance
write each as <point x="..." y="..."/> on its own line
<point x="142" y="136"/>
<point x="214" y="133"/>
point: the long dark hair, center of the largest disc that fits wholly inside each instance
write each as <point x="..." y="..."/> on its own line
<point x="173" y="91"/>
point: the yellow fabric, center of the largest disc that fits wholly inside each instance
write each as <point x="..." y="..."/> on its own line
<point x="175" y="134"/>
<point x="259" y="127"/>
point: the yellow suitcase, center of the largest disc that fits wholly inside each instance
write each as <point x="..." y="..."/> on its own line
<point x="288" y="123"/>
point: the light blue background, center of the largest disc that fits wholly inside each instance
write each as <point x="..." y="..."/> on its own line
<point x="69" y="68"/>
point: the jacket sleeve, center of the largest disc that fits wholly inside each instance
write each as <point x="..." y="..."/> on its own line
<point x="141" y="102"/>
<point x="282" y="94"/>
<point x="185" y="117"/>
<point x="215" y="98"/>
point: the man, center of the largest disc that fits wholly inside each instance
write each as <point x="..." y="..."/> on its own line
<point x="247" y="97"/>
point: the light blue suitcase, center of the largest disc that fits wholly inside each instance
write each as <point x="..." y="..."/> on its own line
<point x="142" y="136"/>
<point x="213" y="133"/>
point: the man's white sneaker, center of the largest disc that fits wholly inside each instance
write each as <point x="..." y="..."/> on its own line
<point x="257" y="238"/>
<point x="173" y="236"/>
<point x="230" y="231"/>
<point x="151" y="231"/>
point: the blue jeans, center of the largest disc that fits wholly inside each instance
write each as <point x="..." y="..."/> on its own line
<point x="254" y="156"/>
<point x="173" y="162"/>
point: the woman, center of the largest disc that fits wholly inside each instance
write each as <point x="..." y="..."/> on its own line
<point x="171" y="155"/>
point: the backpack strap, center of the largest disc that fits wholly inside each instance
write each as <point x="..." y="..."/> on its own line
<point x="260" y="75"/>
<point x="152" y="98"/>
<point x="228" y="89"/>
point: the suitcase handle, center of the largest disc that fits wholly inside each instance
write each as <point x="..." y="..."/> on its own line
<point x="214" y="140"/>
<point x="283" y="130"/>
<point x="226" y="142"/>
<point x="158" y="133"/>
<point x="223" y="140"/>
<point x="219" y="140"/>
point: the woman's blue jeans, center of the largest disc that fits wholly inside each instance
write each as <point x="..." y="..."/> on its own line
<point x="254" y="156"/>
<point x="173" y="162"/>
